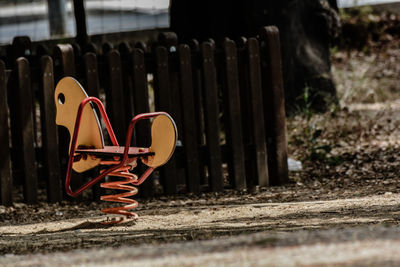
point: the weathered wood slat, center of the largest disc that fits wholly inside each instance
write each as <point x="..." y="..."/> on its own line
<point x="92" y="74"/>
<point x="20" y="47"/>
<point x="141" y="105"/>
<point x="245" y="107"/>
<point x="107" y="47"/>
<point x="189" y="129"/>
<point x="20" y="96"/>
<point x="115" y="95"/>
<point x="211" y="116"/>
<point x="92" y="88"/>
<point x="64" y="60"/>
<point x="49" y="130"/>
<point x="198" y="101"/>
<point x="125" y="51"/>
<point x="197" y="87"/>
<point x="64" y="65"/>
<point x="90" y="48"/>
<point x="169" y="40"/>
<point x="140" y="90"/>
<point x="42" y="50"/>
<point x="233" y="117"/>
<point x="77" y="49"/>
<point x="256" y="112"/>
<point x="274" y="106"/>
<point x="5" y="164"/>
<point x="163" y="103"/>
<point x="141" y="45"/>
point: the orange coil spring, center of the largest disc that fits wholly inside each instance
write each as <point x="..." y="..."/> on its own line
<point x="121" y="197"/>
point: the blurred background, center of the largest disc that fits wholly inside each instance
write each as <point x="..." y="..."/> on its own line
<point x="33" y="18"/>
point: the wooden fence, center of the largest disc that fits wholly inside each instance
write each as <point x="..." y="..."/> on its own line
<point x="227" y="100"/>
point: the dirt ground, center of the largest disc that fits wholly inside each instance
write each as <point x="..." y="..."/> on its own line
<point x="342" y="209"/>
<point x="187" y="233"/>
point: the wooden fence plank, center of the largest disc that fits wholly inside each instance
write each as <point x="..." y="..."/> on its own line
<point x="257" y="112"/>
<point x="125" y="51"/>
<point x="198" y="100"/>
<point x="90" y="48"/>
<point x="64" y="65"/>
<point x="92" y="74"/>
<point x="197" y="87"/>
<point x="189" y="130"/>
<point x="163" y="103"/>
<point x="169" y="40"/>
<point x="141" y="105"/>
<point x="64" y="59"/>
<point x="107" y="47"/>
<point x="245" y="107"/>
<point x="20" y="104"/>
<point x="141" y="45"/>
<point x="49" y="130"/>
<point x="5" y="164"/>
<point x="211" y="117"/>
<point x="77" y="49"/>
<point x="21" y="47"/>
<point x="233" y="118"/>
<point x="115" y="95"/>
<point x="274" y="106"/>
<point x="42" y="50"/>
<point x="92" y="89"/>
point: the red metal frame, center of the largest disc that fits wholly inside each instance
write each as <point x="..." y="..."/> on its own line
<point x="114" y="141"/>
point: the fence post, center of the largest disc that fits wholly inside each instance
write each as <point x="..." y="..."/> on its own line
<point x="233" y="118"/>
<point x="141" y="105"/>
<point x="257" y="112"/>
<point x="189" y="130"/>
<point x="92" y="89"/>
<point x="64" y="59"/>
<point x="42" y="50"/>
<point x="64" y="65"/>
<point x="90" y="48"/>
<point x="274" y="105"/>
<point x="211" y="117"/>
<point x="125" y="52"/>
<point x="20" y="104"/>
<point x="115" y="95"/>
<point x="169" y="40"/>
<point x="5" y="164"/>
<point x="107" y="47"/>
<point x="163" y="103"/>
<point x="141" y="45"/>
<point x="92" y="75"/>
<point x="49" y="130"/>
<point x="21" y="47"/>
<point x="245" y="107"/>
<point x="198" y="100"/>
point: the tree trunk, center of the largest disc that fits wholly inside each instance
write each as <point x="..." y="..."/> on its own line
<point x="307" y="28"/>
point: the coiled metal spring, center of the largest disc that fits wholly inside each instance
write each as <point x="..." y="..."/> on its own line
<point x="127" y="185"/>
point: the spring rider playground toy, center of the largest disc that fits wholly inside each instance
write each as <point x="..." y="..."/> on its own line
<point x="87" y="149"/>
